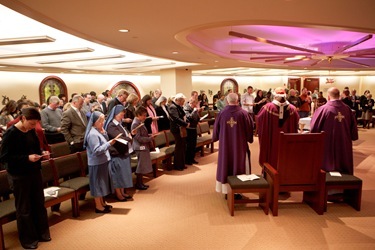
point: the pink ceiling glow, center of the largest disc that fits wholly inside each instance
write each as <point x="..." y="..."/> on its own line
<point x="284" y="46"/>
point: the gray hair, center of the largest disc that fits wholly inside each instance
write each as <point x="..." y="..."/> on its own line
<point x="54" y="99"/>
<point x="179" y="96"/>
<point x="232" y="98"/>
<point x="160" y="100"/>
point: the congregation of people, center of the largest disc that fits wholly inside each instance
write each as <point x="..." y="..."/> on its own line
<point x="112" y="130"/>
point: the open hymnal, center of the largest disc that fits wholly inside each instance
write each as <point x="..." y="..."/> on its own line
<point x="51" y="192"/>
<point x="248" y="177"/>
<point x="140" y="125"/>
<point x="203" y="117"/>
<point x="335" y="174"/>
<point x="157" y="151"/>
<point x="122" y="141"/>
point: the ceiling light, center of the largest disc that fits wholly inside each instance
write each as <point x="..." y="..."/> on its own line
<point x="26" y="40"/>
<point x="112" y="63"/>
<point x="82" y="59"/>
<point x="175" y="52"/>
<point x="124" y="30"/>
<point x="46" y="53"/>
<point x="145" y="66"/>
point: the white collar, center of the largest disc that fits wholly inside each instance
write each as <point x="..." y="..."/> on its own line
<point x="281" y="105"/>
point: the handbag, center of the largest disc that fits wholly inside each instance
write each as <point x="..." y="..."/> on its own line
<point x="183" y="132"/>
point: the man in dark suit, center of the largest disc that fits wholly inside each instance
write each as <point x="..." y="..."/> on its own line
<point x="355" y="103"/>
<point x="73" y="124"/>
<point x="122" y="94"/>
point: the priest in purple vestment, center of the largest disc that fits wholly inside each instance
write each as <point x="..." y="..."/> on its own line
<point x="337" y="120"/>
<point x="275" y="117"/>
<point x="233" y="129"/>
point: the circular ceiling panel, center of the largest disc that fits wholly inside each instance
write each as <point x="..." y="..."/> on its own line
<point x="289" y="47"/>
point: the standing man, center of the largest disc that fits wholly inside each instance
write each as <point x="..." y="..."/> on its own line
<point x="192" y="117"/>
<point x="293" y="99"/>
<point x="103" y="103"/>
<point x="178" y="123"/>
<point x="338" y="122"/>
<point x="51" y="121"/>
<point x="122" y="94"/>
<point x="247" y="101"/>
<point x="304" y="109"/>
<point x="233" y="129"/>
<point x="73" y="125"/>
<point x="275" y="117"/>
<point x="86" y="106"/>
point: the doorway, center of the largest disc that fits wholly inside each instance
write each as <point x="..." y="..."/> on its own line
<point x="311" y="84"/>
<point x="294" y="83"/>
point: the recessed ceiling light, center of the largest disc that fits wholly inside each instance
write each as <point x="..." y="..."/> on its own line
<point x="124" y="30"/>
<point x="175" y="52"/>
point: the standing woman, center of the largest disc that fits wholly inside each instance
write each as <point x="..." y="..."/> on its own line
<point x="367" y="107"/>
<point x="141" y="144"/>
<point x="162" y="110"/>
<point x="151" y="122"/>
<point x="121" y="171"/>
<point x="178" y="126"/>
<point x="8" y="113"/>
<point x="259" y="101"/>
<point x="131" y="104"/>
<point x="22" y="156"/>
<point x="97" y="144"/>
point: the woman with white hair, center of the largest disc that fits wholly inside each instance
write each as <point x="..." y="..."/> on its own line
<point x="163" y="113"/>
<point x="178" y="128"/>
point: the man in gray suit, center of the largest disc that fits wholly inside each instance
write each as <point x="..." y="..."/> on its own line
<point x="73" y="124"/>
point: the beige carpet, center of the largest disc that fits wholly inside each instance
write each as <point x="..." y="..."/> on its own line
<point x="181" y="210"/>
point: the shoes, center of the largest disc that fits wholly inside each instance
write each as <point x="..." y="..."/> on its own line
<point x="44" y="239"/>
<point x="106" y="210"/>
<point x="336" y="198"/>
<point x="147" y="186"/>
<point x="108" y="207"/>
<point x="140" y="187"/>
<point x="128" y="196"/>
<point x="121" y="200"/>
<point x="185" y="167"/>
<point x="30" y="246"/>
<point x="189" y="163"/>
<point x="238" y="196"/>
<point x="195" y="162"/>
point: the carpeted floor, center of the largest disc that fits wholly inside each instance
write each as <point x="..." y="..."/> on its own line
<point x="181" y="210"/>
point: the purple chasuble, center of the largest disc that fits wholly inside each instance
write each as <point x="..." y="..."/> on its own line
<point x="269" y="127"/>
<point x="233" y="129"/>
<point x="338" y="122"/>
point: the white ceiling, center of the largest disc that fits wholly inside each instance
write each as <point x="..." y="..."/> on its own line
<point x="193" y="35"/>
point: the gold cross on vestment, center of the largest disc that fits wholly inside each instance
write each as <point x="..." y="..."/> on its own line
<point x="231" y="122"/>
<point x="339" y="117"/>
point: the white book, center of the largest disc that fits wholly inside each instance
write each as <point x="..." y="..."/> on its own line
<point x="203" y="117"/>
<point x="157" y="151"/>
<point x="248" y="177"/>
<point x="51" y="192"/>
<point x="335" y="174"/>
<point x="122" y="141"/>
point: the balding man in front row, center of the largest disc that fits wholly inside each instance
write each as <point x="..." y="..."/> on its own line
<point x="338" y="122"/>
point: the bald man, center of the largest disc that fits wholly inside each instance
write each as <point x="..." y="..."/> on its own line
<point x="337" y="120"/>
